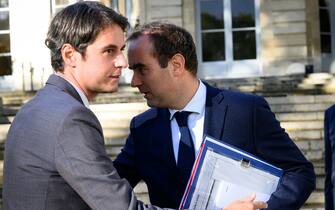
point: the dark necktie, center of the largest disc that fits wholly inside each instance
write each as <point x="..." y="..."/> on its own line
<point x="186" y="155"/>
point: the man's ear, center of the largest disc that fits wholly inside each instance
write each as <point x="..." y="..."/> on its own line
<point x="68" y="55"/>
<point x="178" y="63"/>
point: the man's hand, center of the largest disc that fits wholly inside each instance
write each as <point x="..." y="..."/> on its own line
<point x="247" y="203"/>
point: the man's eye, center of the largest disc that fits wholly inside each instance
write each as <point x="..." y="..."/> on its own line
<point x="110" y="51"/>
<point x="142" y="70"/>
<point x="139" y="70"/>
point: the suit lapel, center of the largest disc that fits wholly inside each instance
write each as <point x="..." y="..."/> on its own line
<point x="215" y="112"/>
<point x="64" y="86"/>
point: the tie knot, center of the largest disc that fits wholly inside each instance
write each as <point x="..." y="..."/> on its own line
<point x="181" y="118"/>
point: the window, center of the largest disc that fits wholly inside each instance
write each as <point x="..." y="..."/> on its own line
<point x="325" y="31"/>
<point x="327" y="34"/>
<point x="5" y="56"/>
<point x="57" y="5"/>
<point x="228" y="31"/>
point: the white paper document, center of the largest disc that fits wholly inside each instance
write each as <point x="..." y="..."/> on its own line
<point x="223" y="174"/>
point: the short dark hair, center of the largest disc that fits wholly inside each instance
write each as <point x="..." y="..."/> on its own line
<point x="168" y="40"/>
<point x="78" y="25"/>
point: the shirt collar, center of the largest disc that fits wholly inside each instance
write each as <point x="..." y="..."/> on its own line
<point x="196" y="104"/>
<point x="80" y="92"/>
<point x="82" y="96"/>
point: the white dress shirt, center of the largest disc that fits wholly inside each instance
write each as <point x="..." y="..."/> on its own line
<point x="195" y="121"/>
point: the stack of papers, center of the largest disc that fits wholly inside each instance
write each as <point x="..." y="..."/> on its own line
<point x="223" y="174"/>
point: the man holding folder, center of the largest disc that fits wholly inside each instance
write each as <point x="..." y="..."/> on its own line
<point x="165" y="140"/>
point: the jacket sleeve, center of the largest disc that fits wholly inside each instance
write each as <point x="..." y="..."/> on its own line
<point x="274" y="145"/>
<point x="82" y="161"/>
<point x="329" y="200"/>
<point x="125" y="162"/>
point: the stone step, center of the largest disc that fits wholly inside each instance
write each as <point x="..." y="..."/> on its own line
<point x="16" y="98"/>
<point x="313" y="155"/>
<point x="300" y="116"/>
<point x="114" y="115"/>
<point x="302" y="99"/>
<point x="298" y="135"/>
<point x="115" y="142"/>
<point x="118" y="107"/>
<point x="290" y="108"/>
<point x="117" y="124"/>
<point x="115" y="133"/>
<point x="316" y="198"/>
<point x="308" y="145"/>
<point x="302" y="125"/>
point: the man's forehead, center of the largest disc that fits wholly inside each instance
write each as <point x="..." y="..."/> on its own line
<point x="142" y="40"/>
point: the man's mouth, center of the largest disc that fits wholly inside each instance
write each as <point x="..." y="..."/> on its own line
<point x="115" y="76"/>
<point x="144" y="93"/>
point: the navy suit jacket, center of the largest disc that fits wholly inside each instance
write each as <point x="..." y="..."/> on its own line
<point x="243" y="120"/>
<point x="329" y="131"/>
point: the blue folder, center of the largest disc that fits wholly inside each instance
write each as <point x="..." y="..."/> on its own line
<point x="220" y="165"/>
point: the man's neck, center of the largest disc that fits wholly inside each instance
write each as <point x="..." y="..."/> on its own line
<point x="187" y="91"/>
<point x="72" y="79"/>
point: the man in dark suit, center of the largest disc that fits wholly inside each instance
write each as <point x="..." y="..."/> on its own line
<point x="55" y="156"/>
<point x="163" y="59"/>
<point x="329" y="135"/>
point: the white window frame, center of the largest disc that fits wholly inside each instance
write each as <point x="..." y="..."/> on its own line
<point x="229" y="67"/>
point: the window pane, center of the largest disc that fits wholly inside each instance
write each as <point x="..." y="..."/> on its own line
<point x="3" y="3"/>
<point x="324" y="20"/>
<point x="243" y="13"/>
<point x="211" y="14"/>
<point x="62" y="2"/>
<point x="4" y="20"/>
<point x="213" y="46"/>
<point x="244" y="43"/>
<point x="5" y="65"/>
<point x="4" y="43"/>
<point x="322" y="3"/>
<point x="326" y="44"/>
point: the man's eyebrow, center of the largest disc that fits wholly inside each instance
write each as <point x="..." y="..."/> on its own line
<point x="112" y="46"/>
<point x="136" y="66"/>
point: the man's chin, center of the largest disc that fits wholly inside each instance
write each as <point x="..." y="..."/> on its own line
<point x="110" y="90"/>
<point x="154" y="104"/>
<point x="150" y="103"/>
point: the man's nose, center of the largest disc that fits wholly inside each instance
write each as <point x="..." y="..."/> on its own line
<point x="135" y="80"/>
<point x="121" y="61"/>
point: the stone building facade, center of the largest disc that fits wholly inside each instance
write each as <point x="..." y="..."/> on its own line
<point x="249" y="39"/>
<point x="235" y="38"/>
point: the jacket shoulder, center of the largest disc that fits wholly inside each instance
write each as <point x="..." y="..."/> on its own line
<point x="144" y="117"/>
<point x="330" y="110"/>
<point x="239" y="98"/>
